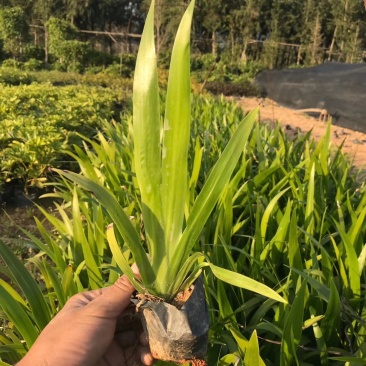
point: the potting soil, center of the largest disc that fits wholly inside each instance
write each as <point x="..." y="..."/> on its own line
<point x="178" y="335"/>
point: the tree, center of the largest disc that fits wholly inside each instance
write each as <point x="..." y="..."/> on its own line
<point x="41" y="13"/>
<point x="244" y="25"/>
<point x="212" y="18"/>
<point x="347" y="35"/>
<point x="13" y="30"/>
<point x="63" y="45"/>
<point x="311" y="40"/>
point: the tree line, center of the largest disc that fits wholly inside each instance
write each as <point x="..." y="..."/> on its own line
<point x="274" y="32"/>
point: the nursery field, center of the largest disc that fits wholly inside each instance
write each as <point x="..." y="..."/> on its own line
<point x="291" y="217"/>
<point x="40" y="122"/>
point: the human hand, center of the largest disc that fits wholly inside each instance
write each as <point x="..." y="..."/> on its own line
<point x="94" y="328"/>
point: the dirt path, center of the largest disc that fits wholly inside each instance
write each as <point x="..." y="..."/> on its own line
<point x="355" y="142"/>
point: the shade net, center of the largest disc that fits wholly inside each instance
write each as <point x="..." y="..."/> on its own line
<point x="338" y="88"/>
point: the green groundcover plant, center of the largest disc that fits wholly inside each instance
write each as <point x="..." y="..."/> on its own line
<point x="40" y="122"/>
<point x="288" y="215"/>
<point x="161" y="152"/>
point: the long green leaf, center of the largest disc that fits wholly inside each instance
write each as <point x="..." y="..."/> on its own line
<point x="331" y="316"/>
<point x="120" y="258"/>
<point x="268" y="211"/>
<point x="56" y="283"/>
<point x="94" y="272"/>
<point x="354" y="274"/>
<point x="212" y="189"/>
<point x="176" y="132"/>
<point x="147" y="150"/>
<point x="68" y="283"/>
<point x="225" y="309"/>
<point x="323" y="291"/>
<point x="12" y="292"/>
<point x="293" y="327"/>
<point x="310" y="201"/>
<point x="294" y="253"/>
<point x="252" y="356"/>
<point x="120" y="219"/>
<point x="18" y="316"/>
<point x="356" y="229"/>
<point x="239" y="280"/>
<point x="362" y="259"/>
<point x="320" y="341"/>
<point x="28" y="285"/>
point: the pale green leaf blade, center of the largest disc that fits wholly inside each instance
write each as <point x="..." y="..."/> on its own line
<point x="93" y="271"/>
<point x="12" y="292"/>
<point x="313" y="320"/>
<point x="357" y="227"/>
<point x="279" y="238"/>
<point x="268" y="211"/>
<point x="229" y="359"/>
<point x="252" y="356"/>
<point x="354" y="274"/>
<point x="323" y="150"/>
<point x="331" y="316"/>
<point x="176" y="132"/>
<point x="213" y="188"/>
<point x="310" y="201"/>
<point x="320" y="341"/>
<point x="120" y="219"/>
<point x="198" y="152"/>
<point x="120" y="259"/>
<point x="147" y="150"/>
<point x="56" y="283"/>
<point x="239" y="280"/>
<point x="28" y="285"/>
<point x="17" y="315"/>
<point x="293" y="327"/>
<point x="226" y="311"/>
<point x="362" y="259"/>
<point x="294" y="253"/>
<point x="68" y="284"/>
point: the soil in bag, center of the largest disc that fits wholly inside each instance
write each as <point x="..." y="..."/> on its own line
<point x="178" y="334"/>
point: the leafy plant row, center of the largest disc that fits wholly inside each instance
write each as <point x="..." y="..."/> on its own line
<point x="292" y="217"/>
<point x="40" y="122"/>
<point x="108" y="77"/>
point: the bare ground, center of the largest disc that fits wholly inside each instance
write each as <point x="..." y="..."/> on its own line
<point x="354" y="142"/>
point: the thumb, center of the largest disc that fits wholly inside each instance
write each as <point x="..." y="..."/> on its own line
<point x="114" y="299"/>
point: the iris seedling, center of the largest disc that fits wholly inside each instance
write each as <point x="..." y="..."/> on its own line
<point x="165" y="258"/>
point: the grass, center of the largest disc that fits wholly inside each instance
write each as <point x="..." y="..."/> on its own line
<point x="291" y="217"/>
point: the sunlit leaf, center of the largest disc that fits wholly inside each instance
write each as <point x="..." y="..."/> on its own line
<point x="237" y="279"/>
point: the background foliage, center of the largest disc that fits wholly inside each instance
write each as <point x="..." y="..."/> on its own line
<point x="276" y="33"/>
<point x="40" y="122"/>
<point x="292" y="217"/>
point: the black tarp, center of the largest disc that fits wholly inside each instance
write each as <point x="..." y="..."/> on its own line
<point x="339" y="88"/>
